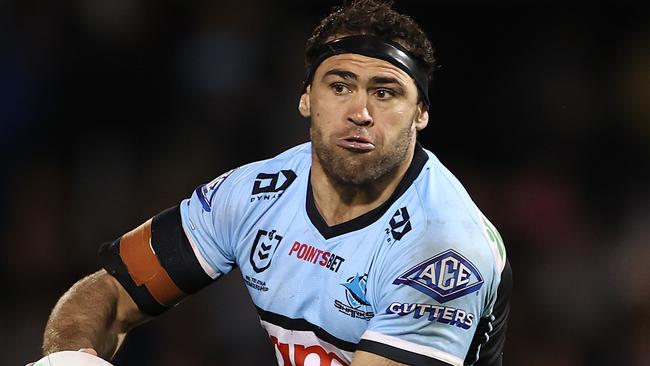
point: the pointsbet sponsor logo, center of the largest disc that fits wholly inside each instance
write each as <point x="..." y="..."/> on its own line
<point x="314" y="255"/>
<point x="437" y="313"/>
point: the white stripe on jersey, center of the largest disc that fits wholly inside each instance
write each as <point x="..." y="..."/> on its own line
<point x="304" y="348"/>
<point x="204" y="264"/>
<point x="412" y="347"/>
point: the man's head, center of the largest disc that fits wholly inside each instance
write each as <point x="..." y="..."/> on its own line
<point x="366" y="96"/>
<point x="375" y="18"/>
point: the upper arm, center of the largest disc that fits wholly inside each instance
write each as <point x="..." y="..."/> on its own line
<point x="177" y="252"/>
<point x="154" y="265"/>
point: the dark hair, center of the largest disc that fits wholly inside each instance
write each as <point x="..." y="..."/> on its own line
<point x="377" y="18"/>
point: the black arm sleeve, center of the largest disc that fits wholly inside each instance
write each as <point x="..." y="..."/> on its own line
<point x="174" y="253"/>
<point x="490" y="337"/>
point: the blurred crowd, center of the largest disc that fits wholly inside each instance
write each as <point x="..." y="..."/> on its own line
<point x="113" y="110"/>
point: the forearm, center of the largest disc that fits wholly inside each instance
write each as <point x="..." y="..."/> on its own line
<point x="87" y="316"/>
<point x="362" y="358"/>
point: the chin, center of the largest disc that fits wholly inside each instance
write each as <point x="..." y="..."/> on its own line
<point x="353" y="180"/>
<point x="359" y="173"/>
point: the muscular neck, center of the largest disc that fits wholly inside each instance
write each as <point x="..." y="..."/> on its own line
<point x="338" y="203"/>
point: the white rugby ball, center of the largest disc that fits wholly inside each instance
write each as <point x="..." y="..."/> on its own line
<point x="71" y="358"/>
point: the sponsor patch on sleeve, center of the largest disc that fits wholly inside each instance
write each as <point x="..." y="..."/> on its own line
<point x="433" y="313"/>
<point x="444" y="277"/>
<point x="206" y="192"/>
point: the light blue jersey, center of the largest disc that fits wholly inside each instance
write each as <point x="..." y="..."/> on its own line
<point x="409" y="280"/>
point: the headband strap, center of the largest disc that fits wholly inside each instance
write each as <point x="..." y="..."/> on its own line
<point x="375" y="47"/>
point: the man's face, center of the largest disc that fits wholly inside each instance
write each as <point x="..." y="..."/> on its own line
<point x="364" y="116"/>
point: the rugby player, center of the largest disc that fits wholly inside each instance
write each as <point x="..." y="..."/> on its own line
<point x="359" y="247"/>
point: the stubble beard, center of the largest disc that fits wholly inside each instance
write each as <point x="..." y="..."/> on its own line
<point x="358" y="170"/>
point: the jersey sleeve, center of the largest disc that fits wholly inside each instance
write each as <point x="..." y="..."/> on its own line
<point x="177" y="252"/>
<point x="490" y="336"/>
<point x="430" y="296"/>
<point x="207" y="218"/>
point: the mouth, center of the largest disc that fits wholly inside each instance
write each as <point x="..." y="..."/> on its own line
<point x="356" y="143"/>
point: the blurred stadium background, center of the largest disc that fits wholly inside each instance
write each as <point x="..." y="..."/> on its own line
<point x="112" y="110"/>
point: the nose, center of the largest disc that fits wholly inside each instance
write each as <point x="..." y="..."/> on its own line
<point x="359" y="114"/>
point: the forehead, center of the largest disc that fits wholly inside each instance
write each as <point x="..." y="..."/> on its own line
<point x="363" y="66"/>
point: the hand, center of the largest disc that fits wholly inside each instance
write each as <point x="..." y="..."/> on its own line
<point x="86" y="350"/>
<point x="89" y="350"/>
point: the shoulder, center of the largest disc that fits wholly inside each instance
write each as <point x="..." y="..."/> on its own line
<point x="452" y="216"/>
<point x="296" y="159"/>
<point x="265" y="176"/>
<point x="216" y="211"/>
<point x="448" y="230"/>
<point x="443" y="194"/>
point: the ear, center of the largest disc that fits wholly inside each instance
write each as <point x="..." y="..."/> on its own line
<point x="421" y="117"/>
<point x="303" y="105"/>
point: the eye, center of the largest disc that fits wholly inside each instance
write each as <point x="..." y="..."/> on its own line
<point x="340" y="89"/>
<point x="384" y="93"/>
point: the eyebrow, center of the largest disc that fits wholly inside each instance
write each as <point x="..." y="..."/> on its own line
<point x="344" y="74"/>
<point x="385" y="80"/>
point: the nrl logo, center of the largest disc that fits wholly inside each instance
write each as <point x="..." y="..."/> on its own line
<point x="265" y="245"/>
<point x="444" y="277"/>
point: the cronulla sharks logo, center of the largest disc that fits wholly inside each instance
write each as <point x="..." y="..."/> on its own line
<point x="355" y="290"/>
<point x="355" y="294"/>
<point x="444" y="277"/>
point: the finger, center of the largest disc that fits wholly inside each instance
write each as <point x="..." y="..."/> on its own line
<point x="89" y="350"/>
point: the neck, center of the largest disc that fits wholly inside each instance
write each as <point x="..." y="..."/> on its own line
<point x="338" y="202"/>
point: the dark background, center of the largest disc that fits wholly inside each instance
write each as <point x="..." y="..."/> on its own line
<point x="112" y="110"/>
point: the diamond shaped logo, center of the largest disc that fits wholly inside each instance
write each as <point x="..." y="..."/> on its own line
<point x="444" y="277"/>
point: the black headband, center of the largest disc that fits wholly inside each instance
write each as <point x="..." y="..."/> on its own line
<point x="375" y="47"/>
